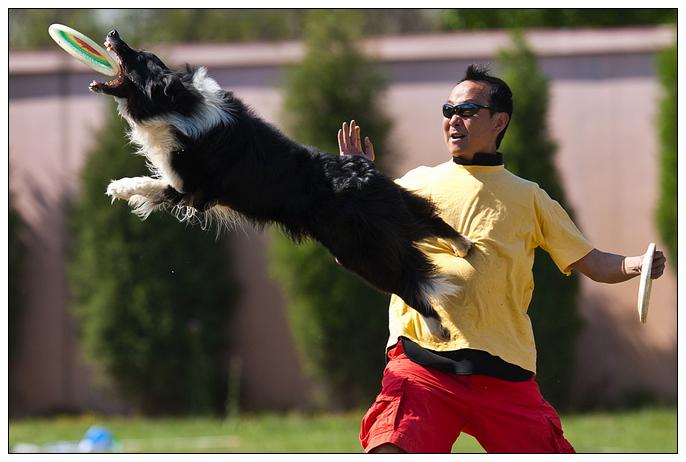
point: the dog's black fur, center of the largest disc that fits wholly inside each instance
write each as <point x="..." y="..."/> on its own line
<point x="212" y="155"/>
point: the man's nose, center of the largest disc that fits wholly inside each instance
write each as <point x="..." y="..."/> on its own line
<point x="456" y="120"/>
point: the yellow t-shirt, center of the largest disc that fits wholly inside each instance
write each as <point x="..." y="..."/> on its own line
<point x="506" y="217"/>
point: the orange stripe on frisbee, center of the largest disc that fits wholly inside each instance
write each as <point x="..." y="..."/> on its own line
<point x="88" y="48"/>
<point x="85" y="49"/>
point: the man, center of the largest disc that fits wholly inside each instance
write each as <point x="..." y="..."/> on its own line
<point x="482" y="380"/>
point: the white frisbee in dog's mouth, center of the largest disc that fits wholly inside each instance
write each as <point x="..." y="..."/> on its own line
<point x="84" y="49"/>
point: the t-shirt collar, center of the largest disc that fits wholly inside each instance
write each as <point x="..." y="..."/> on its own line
<point x="481" y="158"/>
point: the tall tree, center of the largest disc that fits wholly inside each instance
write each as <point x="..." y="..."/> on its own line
<point x="152" y="297"/>
<point x="667" y="208"/>
<point x="339" y="323"/>
<point x="529" y="152"/>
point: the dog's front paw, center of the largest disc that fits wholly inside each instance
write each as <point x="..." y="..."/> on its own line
<point x="144" y="194"/>
<point x="461" y="245"/>
<point x="120" y="189"/>
<point x="125" y="188"/>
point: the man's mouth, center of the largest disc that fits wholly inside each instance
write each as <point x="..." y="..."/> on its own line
<point x="456" y="136"/>
<point x="116" y="82"/>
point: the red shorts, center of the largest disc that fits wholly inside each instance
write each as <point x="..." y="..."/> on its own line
<point x="424" y="410"/>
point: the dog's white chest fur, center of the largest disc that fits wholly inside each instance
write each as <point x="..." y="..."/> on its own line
<point x="155" y="137"/>
<point x="157" y="143"/>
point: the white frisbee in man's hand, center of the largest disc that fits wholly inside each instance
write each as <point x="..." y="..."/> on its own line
<point x="646" y="283"/>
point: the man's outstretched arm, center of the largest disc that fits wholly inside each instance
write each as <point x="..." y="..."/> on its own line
<point x="611" y="268"/>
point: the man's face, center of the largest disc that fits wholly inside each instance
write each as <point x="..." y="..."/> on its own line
<point x="465" y="136"/>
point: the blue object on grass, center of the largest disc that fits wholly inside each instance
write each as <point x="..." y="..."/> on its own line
<point x="96" y="439"/>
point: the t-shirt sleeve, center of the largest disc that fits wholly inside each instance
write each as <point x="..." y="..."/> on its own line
<point x="557" y="233"/>
<point x="414" y="180"/>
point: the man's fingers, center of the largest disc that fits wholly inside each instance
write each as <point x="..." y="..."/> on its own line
<point x="356" y="140"/>
<point x="659" y="259"/>
<point x="341" y="142"/>
<point x="369" y="148"/>
<point x="349" y="141"/>
<point x="354" y="137"/>
<point x="345" y="139"/>
<point x="658" y="266"/>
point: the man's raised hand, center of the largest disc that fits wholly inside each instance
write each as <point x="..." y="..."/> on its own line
<point x="349" y="141"/>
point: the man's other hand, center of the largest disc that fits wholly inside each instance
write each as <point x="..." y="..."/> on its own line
<point x="349" y="141"/>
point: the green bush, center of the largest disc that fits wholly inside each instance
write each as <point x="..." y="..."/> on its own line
<point x="152" y="297"/>
<point x="667" y="208"/>
<point x="529" y="152"/>
<point x="339" y="323"/>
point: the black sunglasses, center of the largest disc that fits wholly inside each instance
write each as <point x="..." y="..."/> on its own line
<point x="462" y="109"/>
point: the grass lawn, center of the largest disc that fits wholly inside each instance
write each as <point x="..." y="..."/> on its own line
<point x="647" y="430"/>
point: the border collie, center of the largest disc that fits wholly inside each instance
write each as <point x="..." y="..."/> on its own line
<point x="212" y="158"/>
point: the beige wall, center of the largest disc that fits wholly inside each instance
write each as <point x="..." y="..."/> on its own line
<point x="602" y="116"/>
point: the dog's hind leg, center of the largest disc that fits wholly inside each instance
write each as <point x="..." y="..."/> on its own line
<point x="431" y="318"/>
<point x="460" y="243"/>
<point x="436" y="328"/>
<point x="420" y="300"/>
<point x="425" y="213"/>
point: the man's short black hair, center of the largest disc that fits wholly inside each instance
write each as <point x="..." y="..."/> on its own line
<point x="500" y="98"/>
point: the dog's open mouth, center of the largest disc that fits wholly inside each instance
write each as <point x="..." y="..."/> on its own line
<point x="119" y="79"/>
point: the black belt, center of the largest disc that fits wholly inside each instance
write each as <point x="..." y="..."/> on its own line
<point x="465" y="361"/>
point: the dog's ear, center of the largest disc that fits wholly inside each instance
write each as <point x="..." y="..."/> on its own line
<point x="173" y="87"/>
<point x="176" y="92"/>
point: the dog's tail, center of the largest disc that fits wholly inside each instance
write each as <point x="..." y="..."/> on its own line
<point x="429" y="292"/>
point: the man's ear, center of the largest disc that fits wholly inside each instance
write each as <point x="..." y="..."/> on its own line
<point x="501" y="121"/>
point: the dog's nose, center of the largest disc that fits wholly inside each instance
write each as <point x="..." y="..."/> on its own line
<point x="113" y="34"/>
